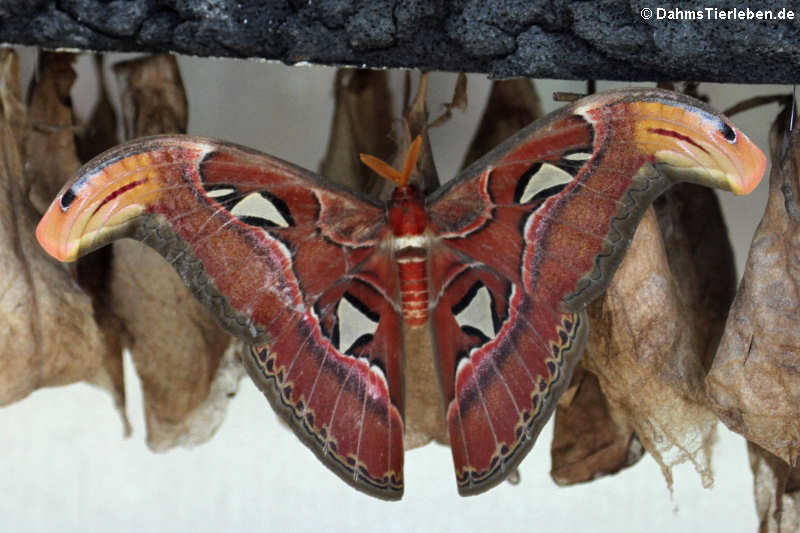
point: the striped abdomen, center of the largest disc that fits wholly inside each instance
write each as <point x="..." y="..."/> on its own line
<point x="413" y="272"/>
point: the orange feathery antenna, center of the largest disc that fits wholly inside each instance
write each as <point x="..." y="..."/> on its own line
<point x="385" y="170"/>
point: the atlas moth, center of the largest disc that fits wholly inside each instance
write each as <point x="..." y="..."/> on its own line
<point x="323" y="283"/>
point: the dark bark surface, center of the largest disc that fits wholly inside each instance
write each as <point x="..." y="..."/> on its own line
<point x="570" y="39"/>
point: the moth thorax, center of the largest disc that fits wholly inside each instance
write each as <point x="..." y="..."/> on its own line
<point x="406" y="212"/>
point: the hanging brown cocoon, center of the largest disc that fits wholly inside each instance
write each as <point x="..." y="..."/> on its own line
<point x="188" y="366"/>
<point x="52" y="129"/>
<point x="646" y="351"/>
<point x="50" y="335"/>
<point x="362" y="123"/>
<point x="590" y="438"/>
<point x="100" y="132"/>
<point x="53" y="132"/>
<point x="754" y="382"/>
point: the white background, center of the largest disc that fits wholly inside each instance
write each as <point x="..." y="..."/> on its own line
<point x="64" y="464"/>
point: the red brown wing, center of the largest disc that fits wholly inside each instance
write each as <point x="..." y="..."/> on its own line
<point x="530" y="234"/>
<point x="287" y="262"/>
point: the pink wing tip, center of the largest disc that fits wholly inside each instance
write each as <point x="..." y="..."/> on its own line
<point x="749" y="164"/>
<point x="49" y="235"/>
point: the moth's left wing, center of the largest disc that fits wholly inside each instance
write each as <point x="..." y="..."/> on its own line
<point x="526" y="237"/>
<point x="285" y="261"/>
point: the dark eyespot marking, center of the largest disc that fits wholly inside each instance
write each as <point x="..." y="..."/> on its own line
<point x="540" y="181"/>
<point x="223" y="194"/>
<point x="524" y="180"/>
<point x="728" y="133"/>
<point x="363" y="340"/>
<point x="66" y="199"/>
<point x="466" y="299"/>
<point x="475" y="314"/>
<point x="577" y="156"/>
<point x="475" y="332"/>
<point x="548" y="192"/>
<point x="355" y="326"/>
<point x="362" y="307"/>
<point x="264" y="210"/>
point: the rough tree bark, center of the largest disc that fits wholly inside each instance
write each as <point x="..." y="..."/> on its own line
<point x="567" y="39"/>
